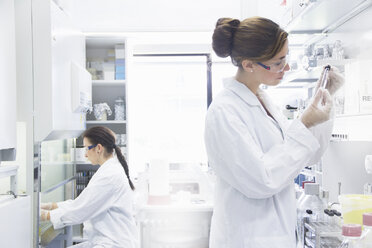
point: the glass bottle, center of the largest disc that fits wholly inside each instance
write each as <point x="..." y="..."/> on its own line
<point x="351" y="236"/>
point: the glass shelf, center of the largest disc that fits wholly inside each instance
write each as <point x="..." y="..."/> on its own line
<point x="107" y="82"/>
<point x="107" y="122"/>
<point x="320" y="16"/>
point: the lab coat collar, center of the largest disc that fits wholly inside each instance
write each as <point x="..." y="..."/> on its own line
<point x="241" y="90"/>
<point x="249" y="97"/>
<point x="108" y="161"/>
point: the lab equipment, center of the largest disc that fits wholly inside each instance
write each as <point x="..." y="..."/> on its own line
<point x="354" y="206"/>
<point x="368" y="166"/>
<point x="367" y="233"/>
<point x="325" y="77"/>
<point x="159" y="182"/>
<point x="119" y="109"/>
<point x="101" y="110"/>
<point x="310" y="209"/>
<point x="321" y="235"/>
<point x="351" y="236"/>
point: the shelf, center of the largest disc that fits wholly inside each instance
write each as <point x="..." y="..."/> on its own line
<point x="57" y="163"/>
<point x="300" y="78"/>
<point x="323" y="16"/>
<point x="334" y="62"/>
<point x="8" y="170"/>
<point x="106" y="122"/>
<point x="353" y="115"/>
<point x="108" y="82"/>
<point x="320" y="18"/>
<point x="355" y="126"/>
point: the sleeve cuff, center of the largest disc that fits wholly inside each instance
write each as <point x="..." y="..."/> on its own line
<point x="64" y="204"/>
<point x="55" y="218"/>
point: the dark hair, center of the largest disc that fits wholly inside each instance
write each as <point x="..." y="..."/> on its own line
<point x="256" y="38"/>
<point x="106" y="137"/>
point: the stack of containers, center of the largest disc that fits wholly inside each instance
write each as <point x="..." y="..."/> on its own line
<point x="119" y="62"/>
<point x="309" y="209"/>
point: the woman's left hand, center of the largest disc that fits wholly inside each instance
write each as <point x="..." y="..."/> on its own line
<point x="335" y="80"/>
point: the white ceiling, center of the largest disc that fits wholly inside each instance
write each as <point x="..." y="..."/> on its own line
<point x="163" y="15"/>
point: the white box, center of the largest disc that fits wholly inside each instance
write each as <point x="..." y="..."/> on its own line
<point x="119" y="51"/>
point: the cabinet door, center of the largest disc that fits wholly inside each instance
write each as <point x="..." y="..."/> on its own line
<point x="7" y="76"/>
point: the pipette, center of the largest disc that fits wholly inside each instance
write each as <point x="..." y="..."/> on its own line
<point x="325" y="77"/>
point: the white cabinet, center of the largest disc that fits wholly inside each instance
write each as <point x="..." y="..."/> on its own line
<point x="107" y="61"/>
<point x="7" y="76"/>
<point x="57" y="45"/>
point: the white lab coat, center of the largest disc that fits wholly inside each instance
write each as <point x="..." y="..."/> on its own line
<point x="105" y="207"/>
<point x="256" y="160"/>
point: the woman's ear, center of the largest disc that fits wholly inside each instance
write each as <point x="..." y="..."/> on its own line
<point x="247" y="65"/>
<point x="99" y="148"/>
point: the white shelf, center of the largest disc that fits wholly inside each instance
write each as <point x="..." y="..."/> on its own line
<point x="353" y="115"/>
<point x="334" y="62"/>
<point x="107" y="122"/>
<point x="8" y="170"/>
<point x="57" y="162"/>
<point x="108" y="82"/>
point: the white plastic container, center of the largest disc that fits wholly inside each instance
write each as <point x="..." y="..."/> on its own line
<point x="351" y="236"/>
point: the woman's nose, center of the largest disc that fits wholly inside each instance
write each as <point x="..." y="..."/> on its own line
<point x="287" y="67"/>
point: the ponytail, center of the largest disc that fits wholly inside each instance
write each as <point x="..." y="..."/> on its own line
<point x="106" y="137"/>
<point x="123" y="163"/>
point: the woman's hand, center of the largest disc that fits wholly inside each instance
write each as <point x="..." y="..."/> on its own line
<point x="335" y="80"/>
<point x="48" y="205"/>
<point x="319" y="110"/>
<point x="44" y="215"/>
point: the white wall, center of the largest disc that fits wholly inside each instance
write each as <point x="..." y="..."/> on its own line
<point x="7" y="75"/>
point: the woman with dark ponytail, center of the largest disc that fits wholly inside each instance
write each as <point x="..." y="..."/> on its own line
<point x="106" y="204"/>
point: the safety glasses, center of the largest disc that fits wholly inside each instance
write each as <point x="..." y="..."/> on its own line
<point x="90" y="147"/>
<point x="275" y="67"/>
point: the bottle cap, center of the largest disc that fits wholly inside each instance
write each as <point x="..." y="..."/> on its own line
<point x="312" y="189"/>
<point x="352" y="230"/>
<point x="367" y="219"/>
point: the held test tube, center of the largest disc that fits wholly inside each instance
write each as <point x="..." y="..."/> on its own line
<point x="325" y="77"/>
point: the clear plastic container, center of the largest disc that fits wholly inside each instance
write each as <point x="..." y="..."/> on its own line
<point x="119" y="109"/>
<point x="310" y="208"/>
<point x="351" y="236"/>
<point x="367" y="233"/>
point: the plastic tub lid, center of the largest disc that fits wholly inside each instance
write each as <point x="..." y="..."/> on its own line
<point x="352" y="230"/>
<point x="367" y="219"/>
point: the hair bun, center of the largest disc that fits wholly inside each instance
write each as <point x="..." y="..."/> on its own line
<point x="234" y="23"/>
<point x="223" y="36"/>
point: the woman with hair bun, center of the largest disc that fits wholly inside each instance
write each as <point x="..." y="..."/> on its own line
<point x="106" y="204"/>
<point x="255" y="152"/>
